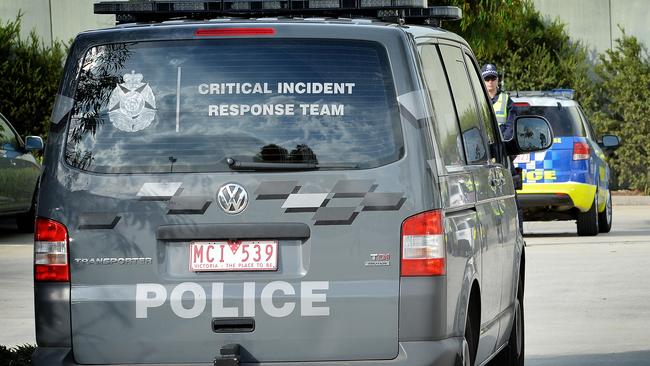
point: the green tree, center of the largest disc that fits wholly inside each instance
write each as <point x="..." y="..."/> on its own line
<point x="531" y="52"/>
<point x="29" y="78"/>
<point x="622" y="107"/>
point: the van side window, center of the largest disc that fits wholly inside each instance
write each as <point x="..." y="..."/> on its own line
<point x="445" y="125"/>
<point x="485" y="110"/>
<point x="475" y="148"/>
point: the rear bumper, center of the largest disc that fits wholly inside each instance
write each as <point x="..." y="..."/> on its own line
<point x="570" y="194"/>
<point x="444" y="352"/>
<point x="544" y="199"/>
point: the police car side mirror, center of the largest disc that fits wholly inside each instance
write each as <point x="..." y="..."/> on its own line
<point x="33" y="143"/>
<point x="532" y="133"/>
<point x="610" y="142"/>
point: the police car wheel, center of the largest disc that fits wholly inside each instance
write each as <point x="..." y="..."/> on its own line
<point x="588" y="221"/>
<point x="605" y="217"/>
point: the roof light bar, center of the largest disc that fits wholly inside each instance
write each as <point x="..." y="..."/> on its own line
<point x="438" y="13"/>
<point x="234" y="6"/>
<point x="554" y="93"/>
<point x="160" y="10"/>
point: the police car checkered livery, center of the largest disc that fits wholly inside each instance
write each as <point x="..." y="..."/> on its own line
<point x="570" y="181"/>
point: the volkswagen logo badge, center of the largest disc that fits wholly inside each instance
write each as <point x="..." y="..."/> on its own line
<point x="232" y="198"/>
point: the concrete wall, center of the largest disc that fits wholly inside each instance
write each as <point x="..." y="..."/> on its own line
<point x="70" y="17"/>
<point x="54" y="19"/>
<point x="595" y="22"/>
<point x="36" y="16"/>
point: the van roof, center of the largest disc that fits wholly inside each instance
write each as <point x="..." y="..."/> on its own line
<point x="416" y="30"/>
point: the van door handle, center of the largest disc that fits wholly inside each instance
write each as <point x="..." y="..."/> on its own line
<point x="233" y="325"/>
<point x="496" y="182"/>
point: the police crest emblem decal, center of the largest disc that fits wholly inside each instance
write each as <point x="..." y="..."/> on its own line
<point x="132" y="106"/>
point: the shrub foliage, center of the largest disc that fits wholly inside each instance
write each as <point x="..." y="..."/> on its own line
<point x="533" y="54"/>
<point x="622" y="108"/>
<point x="16" y="356"/>
<point x="537" y="54"/>
<point x="29" y="78"/>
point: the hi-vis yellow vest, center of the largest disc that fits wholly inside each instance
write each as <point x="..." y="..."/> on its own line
<point x="501" y="108"/>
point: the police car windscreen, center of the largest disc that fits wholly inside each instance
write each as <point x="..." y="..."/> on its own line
<point x="187" y="106"/>
<point x="565" y="121"/>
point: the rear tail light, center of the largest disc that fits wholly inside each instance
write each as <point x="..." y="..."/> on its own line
<point x="580" y="151"/>
<point x="521" y="104"/>
<point x="50" y="251"/>
<point x="423" y="245"/>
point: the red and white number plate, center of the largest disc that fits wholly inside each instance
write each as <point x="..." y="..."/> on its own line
<point x="241" y="255"/>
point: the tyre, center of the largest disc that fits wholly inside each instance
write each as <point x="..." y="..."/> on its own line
<point x="470" y="344"/>
<point x="605" y="217"/>
<point x="514" y="352"/>
<point x="25" y="222"/>
<point x="588" y="221"/>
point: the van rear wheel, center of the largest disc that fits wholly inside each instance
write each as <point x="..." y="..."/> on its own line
<point x="515" y="348"/>
<point x="469" y="343"/>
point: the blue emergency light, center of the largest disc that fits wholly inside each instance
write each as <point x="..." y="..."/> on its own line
<point x="553" y="93"/>
<point x="413" y="11"/>
<point x="564" y="93"/>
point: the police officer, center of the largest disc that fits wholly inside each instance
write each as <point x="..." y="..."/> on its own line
<point x="502" y="105"/>
<point x="501" y="102"/>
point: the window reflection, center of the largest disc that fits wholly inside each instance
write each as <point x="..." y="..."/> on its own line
<point x="190" y="130"/>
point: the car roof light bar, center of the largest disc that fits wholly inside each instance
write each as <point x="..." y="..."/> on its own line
<point x="413" y="11"/>
<point x="553" y="93"/>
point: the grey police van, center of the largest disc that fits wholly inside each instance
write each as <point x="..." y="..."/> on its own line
<point x="278" y="190"/>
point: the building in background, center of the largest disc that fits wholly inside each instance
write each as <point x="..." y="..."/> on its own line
<point x="594" y="22"/>
<point x="54" y="19"/>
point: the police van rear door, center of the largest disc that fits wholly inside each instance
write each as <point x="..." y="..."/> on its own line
<point x="236" y="186"/>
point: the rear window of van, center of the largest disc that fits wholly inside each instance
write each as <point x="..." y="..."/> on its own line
<point x="188" y="106"/>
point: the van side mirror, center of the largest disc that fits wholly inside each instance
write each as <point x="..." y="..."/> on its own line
<point x="532" y="133"/>
<point x="33" y="143"/>
<point x="610" y="142"/>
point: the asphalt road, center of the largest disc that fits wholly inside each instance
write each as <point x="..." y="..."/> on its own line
<point x="16" y="286"/>
<point x="587" y="299"/>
